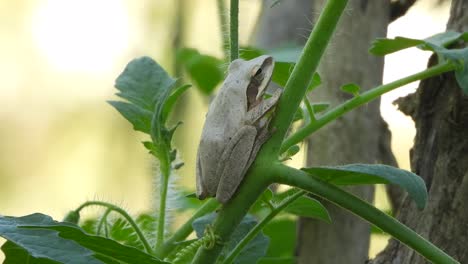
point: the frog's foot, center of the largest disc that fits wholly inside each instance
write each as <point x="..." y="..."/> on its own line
<point x="256" y="113"/>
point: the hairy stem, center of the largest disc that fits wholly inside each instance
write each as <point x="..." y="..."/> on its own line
<point x="125" y="215"/>
<point x="185" y="230"/>
<point x="103" y="221"/>
<point x="297" y="178"/>
<point x="362" y="99"/>
<point x="259" y="226"/>
<point x="223" y="21"/>
<point x="234" y="30"/>
<point x="163" y="186"/>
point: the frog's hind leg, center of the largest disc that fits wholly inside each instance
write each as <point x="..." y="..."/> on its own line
<point x="262" y="137"/>
<point x="234" y="161"/>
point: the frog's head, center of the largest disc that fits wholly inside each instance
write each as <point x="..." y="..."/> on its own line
<point x="258" y="71"/>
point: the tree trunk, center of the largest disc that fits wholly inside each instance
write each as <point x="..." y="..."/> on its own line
<point x="440" y="156"/>
<point x="361" y="136"/>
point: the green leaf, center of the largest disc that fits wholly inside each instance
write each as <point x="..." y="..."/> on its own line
<point x="282" y="234"/>
<point x="281" y="72"/>
<point x="445" y="39"/>
<point x="355" y="174"/>
<point x="150" y="93"/>
<point x="121" y="231"/>
<point x="384" y="46"/>
<point x="63" y="242"/>
<point x="137" y="116"/>
<point x="89" y="225"/>
<point x="160" y="135"/>
<point x="43" y="243"/>
<point x="189" y="202"/>
<point x="205" y="71"/>
<point x="256" y="248"/>
<point x="15" y="254"/>
<point x="147" y="223"/>
<point x="351" y="88"/>
<point x="459" y="56"/>
<point x="303" y="206"/>
<point x="293" y="150"/>
<point x="172" y="100"/>
<point x="143" y="82"/>
<point x="308" y="207"/>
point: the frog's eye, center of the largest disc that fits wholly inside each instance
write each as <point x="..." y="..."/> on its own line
<point x="257" y="73"/>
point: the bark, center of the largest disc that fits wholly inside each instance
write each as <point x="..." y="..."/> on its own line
<point x="361" y="136"/>
<point x="440" y="156"/>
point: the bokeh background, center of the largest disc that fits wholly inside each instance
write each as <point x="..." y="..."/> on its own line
<point x="62" y="144"/>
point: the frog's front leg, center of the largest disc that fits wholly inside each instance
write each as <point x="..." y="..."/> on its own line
<point x="257" y="112"/>
<point x="235" y="161"/>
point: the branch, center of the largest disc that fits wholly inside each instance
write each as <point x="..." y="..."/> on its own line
<point x="297" y="178"/>
<point x="302" y="74"/>
<point x="362" y="99"/>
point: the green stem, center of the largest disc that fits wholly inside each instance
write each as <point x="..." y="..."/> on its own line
<point x="256" y="181"/>
<point x="232" y="213"/>
<point x="259" y="226"/>
<point x="223" y="21"/>
<point x="185" y="230"/>
<point x="362" y="99"/>
<point x="297" y="178"/>
<point x="178" y="39"/>
<point x="234" y="30"/>
<point x="165" y="166"/>
<point x="302" y="74"/>
<point x="103" y="221"/>
<point x="125" y="215"/>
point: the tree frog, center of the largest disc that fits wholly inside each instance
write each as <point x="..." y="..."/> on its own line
<point x="236" y="126"/>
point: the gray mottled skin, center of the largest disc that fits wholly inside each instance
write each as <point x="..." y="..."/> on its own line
<point x="235" y="128"/>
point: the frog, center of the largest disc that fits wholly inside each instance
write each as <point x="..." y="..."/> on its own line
<point x="236" y="126"/>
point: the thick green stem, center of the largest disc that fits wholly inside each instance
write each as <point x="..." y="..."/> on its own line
<point x="297" y="178"/>
<point x="185" y="230"/>
<point x="259" y="226"/>
<point x="234" y="30"/>
<point x="301" y="76"/>
<point x="223" y="21"/>
<point x="165" y="166"/>
<point x="125" y="215"/>
<point x="362" y="99"/>
<point x="257" y="180"/>
<point x="232" y="213"/>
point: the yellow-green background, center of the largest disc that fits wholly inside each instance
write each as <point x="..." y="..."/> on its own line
<point x="61" y="144"/>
